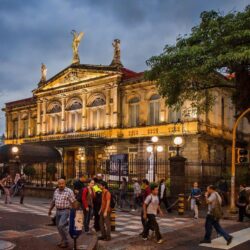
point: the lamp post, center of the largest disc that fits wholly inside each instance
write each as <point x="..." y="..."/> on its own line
<point x="178" y="141"/>
<point x="154" y="149"/>
<point x="14" y="151"/>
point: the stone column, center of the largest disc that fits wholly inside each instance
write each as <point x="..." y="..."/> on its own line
<point x="115" y="106"/>
<point x="19" y="126"/>
<point x="126" y="111"/>
<point x="29" y="124"/>
<point x="63" y="116"/>
<point x="84" y="111"/>
<point x="44" y="117"/>
<point x="38" y="119"/>
<point x="107" y="117"/>
<point x="162" y="111"/>
<point x="177" y="175"/>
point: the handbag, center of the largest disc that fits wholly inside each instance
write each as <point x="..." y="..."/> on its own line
<point x="217" y="212"/>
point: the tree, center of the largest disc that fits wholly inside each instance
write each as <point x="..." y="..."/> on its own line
<point x="51" y="171"/>
<point x="29" y="170"/>
<point x="219" y="46"/>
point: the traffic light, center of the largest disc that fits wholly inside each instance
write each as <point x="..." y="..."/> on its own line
<point x="243" y="155"/>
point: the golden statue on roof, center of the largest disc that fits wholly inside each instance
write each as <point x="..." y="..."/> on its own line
<point x="77" y="37"/>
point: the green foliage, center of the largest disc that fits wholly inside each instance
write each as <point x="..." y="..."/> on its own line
<point x="189" y="69"/>
<point x="51" y="169"/>
<point x="29" y="170"/>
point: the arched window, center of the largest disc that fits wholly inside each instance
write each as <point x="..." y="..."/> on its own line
<point x="134" y="112"/>
<point x="174" y="115"/>
<point x="97" y="113"/>
<point x="75" y="105"/>
<point x="154" y="110"/>
<point x="54" y="123"/>
<point x="74" y="115"/>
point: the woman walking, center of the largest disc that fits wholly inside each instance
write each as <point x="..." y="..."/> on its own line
<point x="195" y="199"/>
<point x="5" y="184"/>
<point x="88" y="195"/>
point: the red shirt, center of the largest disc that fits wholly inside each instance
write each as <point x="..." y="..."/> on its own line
<point x="106" y="196"/>
<point x="87" y="198"/>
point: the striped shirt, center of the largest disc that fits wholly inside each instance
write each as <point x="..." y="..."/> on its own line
<point x="63" y="198"/>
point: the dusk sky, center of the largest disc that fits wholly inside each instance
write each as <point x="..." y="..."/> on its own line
<point x="35" y="31"/>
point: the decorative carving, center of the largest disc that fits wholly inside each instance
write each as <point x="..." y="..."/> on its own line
<point x="72" y="76"/>
<point x="77" y="37"/>
<point x="117" y="54"/>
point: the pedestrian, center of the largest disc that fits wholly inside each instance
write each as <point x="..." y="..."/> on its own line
<point x="63" y="200"/>
<point x="146" y="191"/>
<point x="136" y="194"/>
<point x="97" y="204"/>
<point x="163" y="195"/>
<point x="214" y="215"/>
<point x="88" y="195"/>
<point x="21" y="187"/>
<point x="151" y="207"/>
<point x="242" y="202"/>
<point x="105" y="212"/>
<point x="5" y="184"/>
<point x="195" y="198"/>
<point x="123" y="193"/>
<point x="78" y="186"/>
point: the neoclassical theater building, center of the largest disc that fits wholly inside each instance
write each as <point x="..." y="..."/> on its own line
<point x="90" y="112"/>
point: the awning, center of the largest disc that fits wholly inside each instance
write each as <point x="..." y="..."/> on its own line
<point x="29" y="153"/>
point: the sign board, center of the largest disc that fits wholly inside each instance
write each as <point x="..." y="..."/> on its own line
<point x="118" y="165"/>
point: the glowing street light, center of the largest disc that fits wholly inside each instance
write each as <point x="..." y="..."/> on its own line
<point x="159" y="149"/>
<point x="154" y="139"/>
<point x="149" y="149"/>
<point x="178" y="141"/>
<point x="14" y="149"/>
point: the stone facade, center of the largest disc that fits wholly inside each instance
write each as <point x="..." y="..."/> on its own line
<point x="90" y="112"/>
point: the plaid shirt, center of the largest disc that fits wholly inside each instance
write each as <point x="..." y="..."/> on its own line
<point x="63" y="199"/>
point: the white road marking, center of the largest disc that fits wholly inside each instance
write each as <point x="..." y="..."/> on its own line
<point x="239" y="237"/>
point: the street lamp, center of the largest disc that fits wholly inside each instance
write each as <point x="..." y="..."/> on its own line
<point x="178" y="141"/>
<point x="14" y="149"/>
<point x="154" y="149"/>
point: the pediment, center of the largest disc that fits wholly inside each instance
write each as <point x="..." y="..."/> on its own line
<point x="73" y="75"/>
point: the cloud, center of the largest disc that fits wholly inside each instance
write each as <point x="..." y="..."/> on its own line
<point x="34" y="31"/>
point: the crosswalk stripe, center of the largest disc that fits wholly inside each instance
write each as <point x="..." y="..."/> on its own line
<point x="239" y="237"/>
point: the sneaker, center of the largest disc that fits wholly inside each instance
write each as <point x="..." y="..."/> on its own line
<point x="160" y="241"/>
<point x="133" y="210"/>
<point x="145" y="238"/>
<point x="205" y="241"/>
<point x="229" y="240"/>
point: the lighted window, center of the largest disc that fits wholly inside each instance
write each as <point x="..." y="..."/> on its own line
<point x="154" y="110"/>
<point x="134" y="112"/>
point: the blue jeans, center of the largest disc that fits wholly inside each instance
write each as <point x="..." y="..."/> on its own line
<point x="210" y="223"/>
<point x="61" y="223"/>
<point x="87" y="217"/>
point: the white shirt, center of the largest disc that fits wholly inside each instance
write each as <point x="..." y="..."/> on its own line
<point x="153" y="202"/>
<point x="213" y="198"/>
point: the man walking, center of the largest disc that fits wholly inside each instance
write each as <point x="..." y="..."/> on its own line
<point x="63" y="199"/>
<point x="214" y="214"/>
<point x="145" y="193"/>
<point x="105" y="212"/>
<point x="151" y="207"/>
